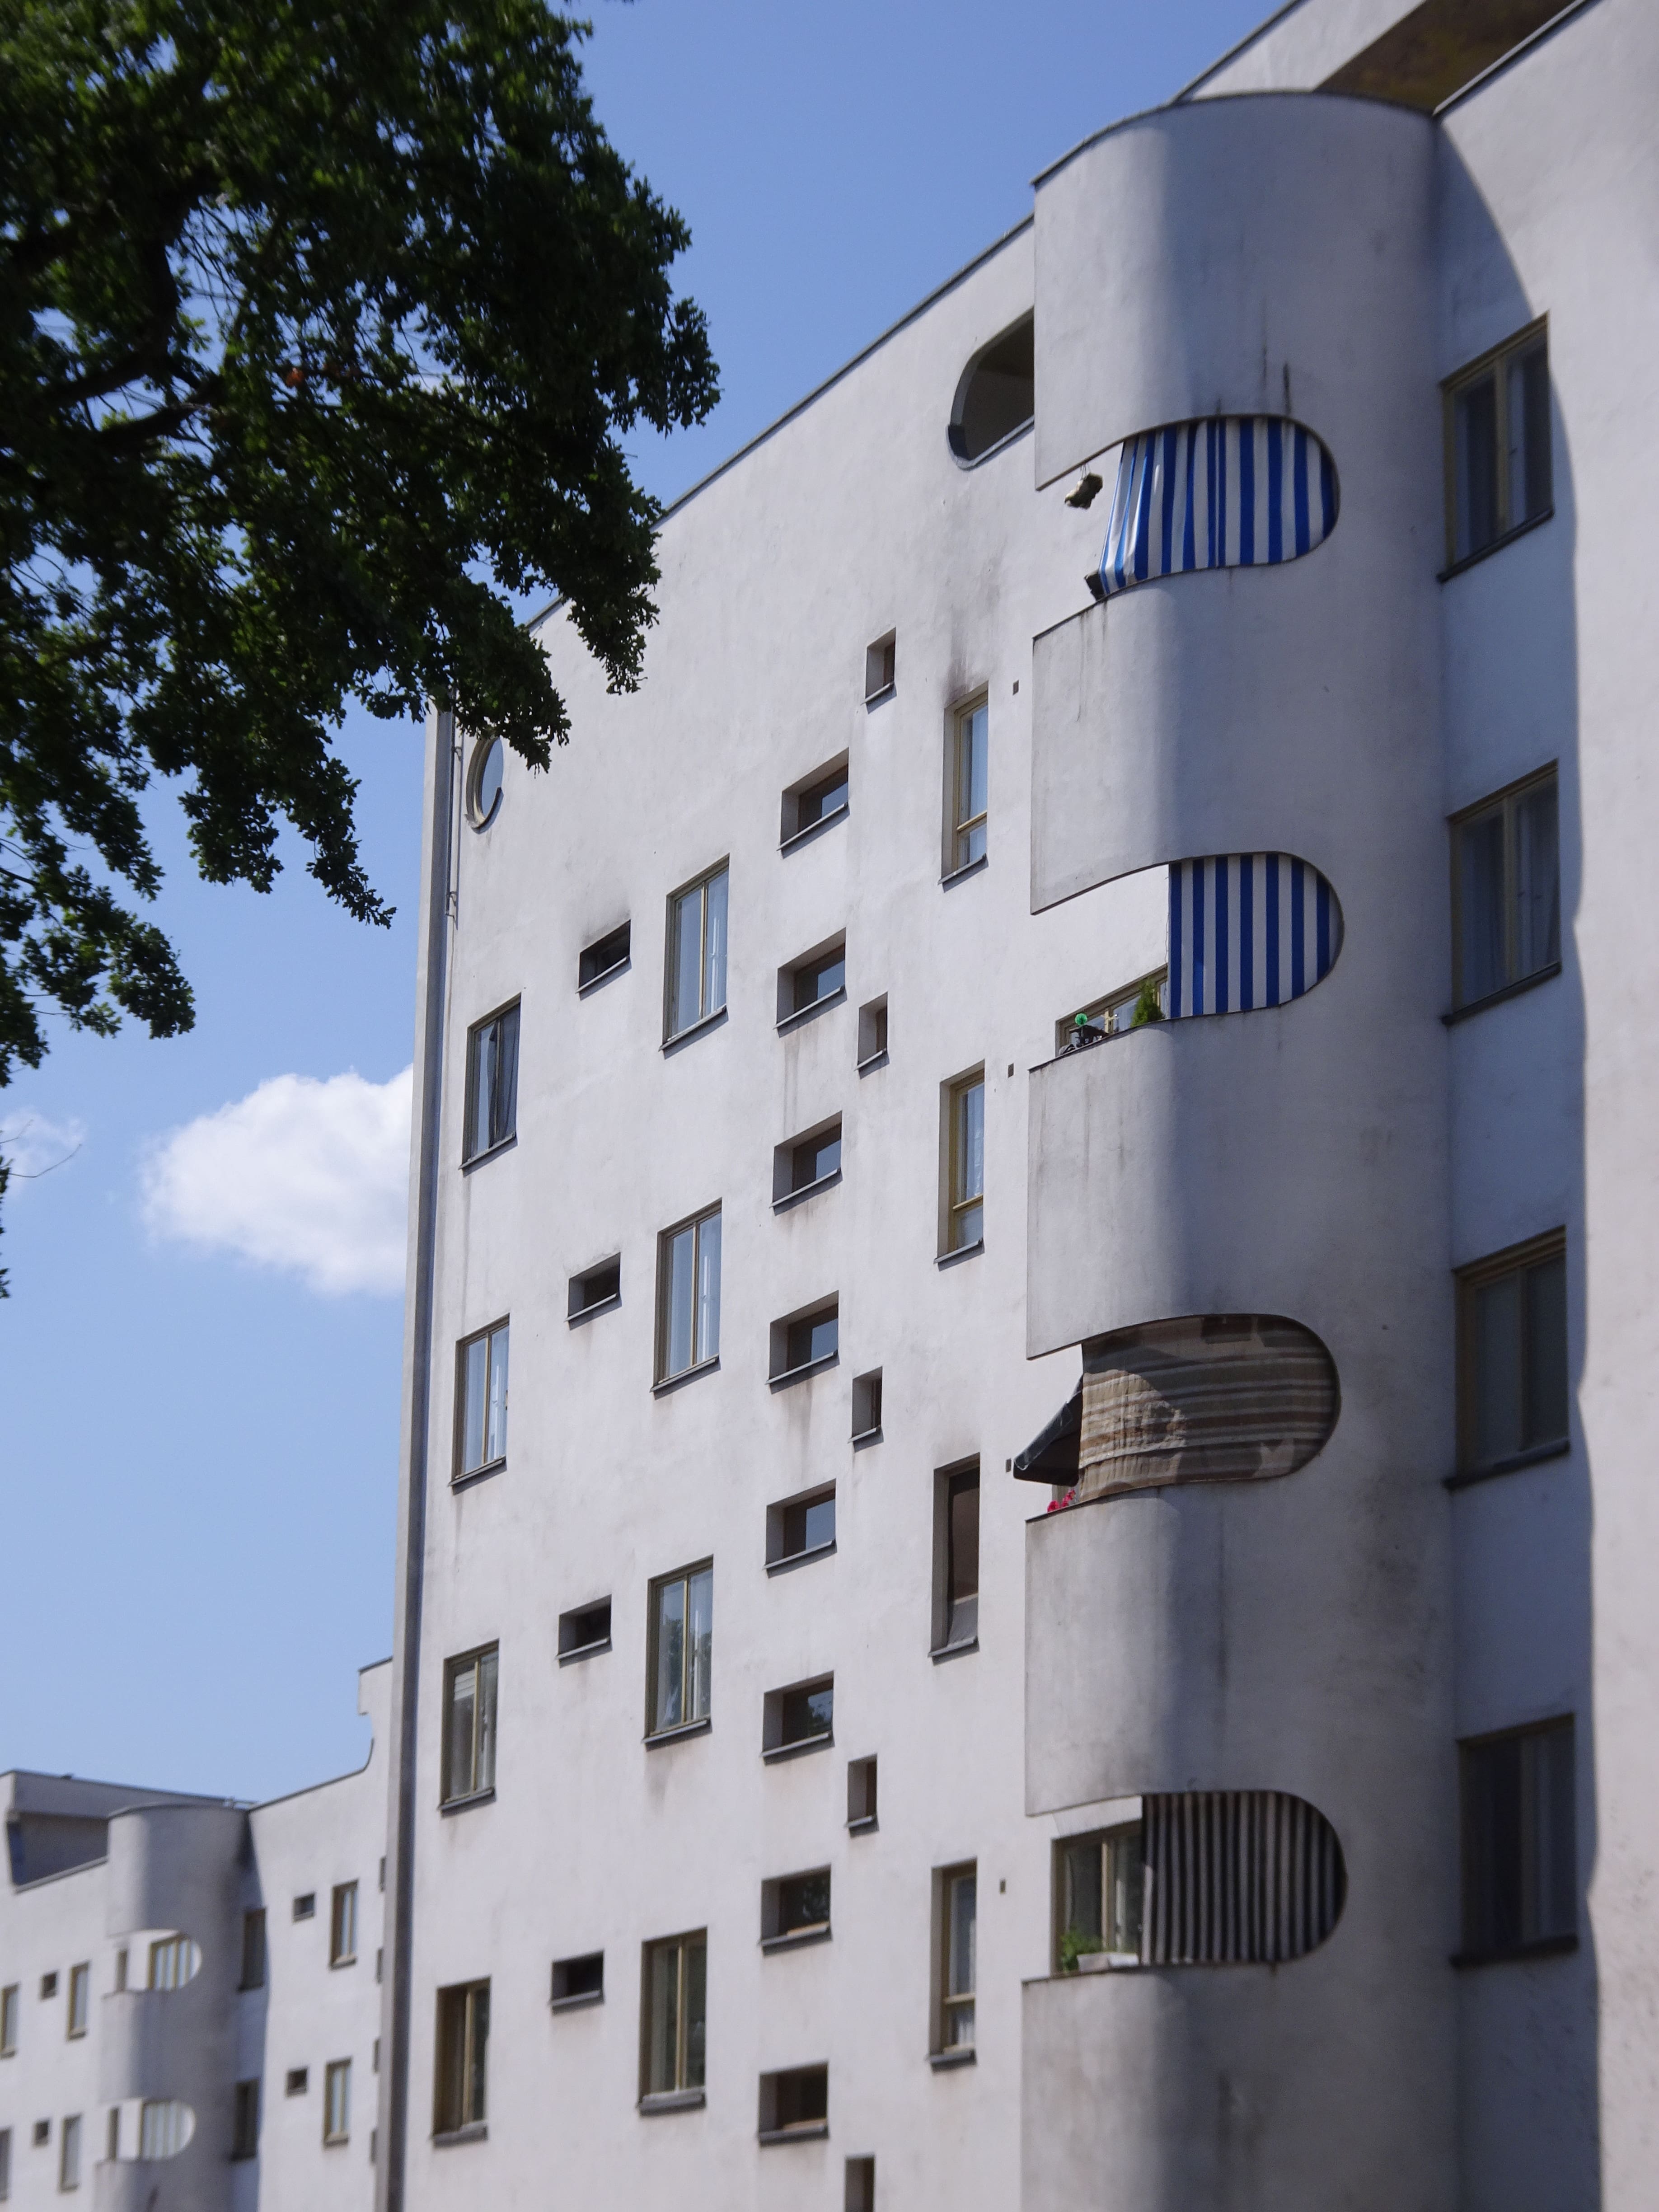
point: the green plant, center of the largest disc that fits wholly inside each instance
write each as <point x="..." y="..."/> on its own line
<point x="1072" y="1946"/>
<point x="1147" y="1008"/>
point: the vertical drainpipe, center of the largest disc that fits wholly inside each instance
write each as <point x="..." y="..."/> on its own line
<point x="437" y="890"/>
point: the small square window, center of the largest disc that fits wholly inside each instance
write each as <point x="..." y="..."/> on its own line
<point x="1506" y="889"/>
<point x="253" y="1949"/>
<point x="962" y="1215"/>
<point x="305" y="1908"/>
<point x="795" y="1908"/>
<point x="956" y="1559"/>
<point x="815" y="980"/>
<point x="579" y="1981"/>
<point x="1513" y="1372"/>
<point x="48" y="1987"/>
<point x="80" y="1998"/>
<point x="880" y="666"/>
<point x="689" y="1295"/>
<point x="799" y="1718"/>
<point x="860" y="2191"/>
<point x="337" y="2101"/>
<point x="819" y="799"/>
<point x="297" y="2082"/>
<point x="956" y="1895"/>
<point x="596" y="1289"/>
<point x="694" y="988"/>
<point x="1520" y="1868"/>
<point x="680" y="1658"/>
<point x="1498" y="446"/>
<point x="245" y="2121"/>
<point x="1100" y="1882"/>
<point x="481" y="1403"/>
<point x="585" y="1630"/>
<point x="674" y="2020"/>
<point x="469" y="1745"/>
<point x="461" y="2074"/>
<point x="966" y="788"/>
<point x="872" y="1033"/>
<point x="343" y="1925"/>
<point x="806" y="1164"/>
<point x="862" y="1793"/>
<point x="604" y="958"/>
<point x="795" y="2104"/>
<point x="803" y="1344"/>
<point x="492" y="1082"/>
<point x="801" y="1528"/>
<point x="866" y="1406"/>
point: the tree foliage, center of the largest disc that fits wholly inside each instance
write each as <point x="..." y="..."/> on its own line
<point x="319" y="329"/>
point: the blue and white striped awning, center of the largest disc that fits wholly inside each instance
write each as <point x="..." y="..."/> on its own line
<point x="1248" y="930"/>
<point x="1236" y="491"/>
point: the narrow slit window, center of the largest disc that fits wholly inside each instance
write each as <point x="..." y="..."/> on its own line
<point x="968" y="787"/>
<point x="681" y="1648"/>
<point x="676" y="2015"/>
<point x="862" y="1793"/>
<point x="689" y="1295"/>
<point x="460" y="2099"/>
<point x="957" y="1622"/>
<point x="343" y="1925"/>
<point x="337" y="2101"/>
<point x="80" y="1997"/>
<point x="492" y="1082"/>
<point x="958" y="1889"/>
<point x="244" y="2126"/>
<point x="696" y="954"/>
<point x="964" y="1225"/>
<point x="469" y="1756"/>
<point x="606" y="956"/>
<point x="253" y="1949"/>
<point x="482" y="1440"/>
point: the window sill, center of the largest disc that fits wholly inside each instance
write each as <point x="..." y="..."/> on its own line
<point x="584" y="1651"/>
<point x="449" y="1805"/>
<point x="1536" y="1457"/>
<point x="672" y="2100"/>
<point x="597" y="983"/>
<point x="797" y="1938"/>
<point x="476" y="1474"/>
<point x="962" y="1252"/>
<point x="941" y="2060"/>
<point x="865" y="1825"/>
<point x="960" y="875"/>
<point x="587" y="1313"/>
<point x="1472" y="560"/>
<point x="793" y="1559"/>
<point x="1497" y="998"/>
<point x="775" y="1753"/>
<point x="575" y="2004"/>
<point x="696" y="1029"/>
<point x="492" y="1152"/>
<point x="1546" y="1947"/>
<point x="350" y="1960"/>
<point x="478" y="2132"/>
<point x="869" y="1067"/>
<point x="879" y="698"/>
<point x="660" y="1736"/>
<point x="943" y="1651"/>
<point x="824" y="821"/>
<point x="804" y="2131"/>
<point x="804" y="1014"/>
<point x="807" y="1190"/>
<point x="686" y="1375"/>
<point x="791" y="1376"/>
<point x="861" y="1438"/>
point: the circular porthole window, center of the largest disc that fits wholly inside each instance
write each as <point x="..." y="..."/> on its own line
<point x="483" y="784"/>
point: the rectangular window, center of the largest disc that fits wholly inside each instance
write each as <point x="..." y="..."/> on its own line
<point x="173" y="1962"/>
<point x="5" y="2164"/>
<point x="799" y="1718"/>
<point x="296" y="2080"/>
<point x="481" y="1440"/>
<point x="813" y="980"/>
<point x="8" y="2011"/>
<point x="859" y="2194"/>
<point x="605" y="958"/>
<point x="675" y="2016"/>
<point x="80" y="1993"/>
<point x="862" y="1793"/>
<point x="121" y="1967"/>
<point x="1498" y="446"/>
<point x="1512" y="1357"/>
<point x="964" y="1164"/>
<point x="689" y="1295"/>
<point x="1520" y="1873"/>
<point x="253" y="1949"/>
<point x="794" y="2103"/>
<point x="866" y="1406"/>
<point x="68" y="2153"/>
<point x="872" y="1033"/>
<point x="1099" y="1895"/>
<point x="880" y="666"/>
<point x="681" y="1648"/>
<point x="970" y="760"/>
<point x="600" y="1287"/>
<point x="696" y="955"/>
<point x="305" y="1908"/>
<point x="245" y="2121"/>
<point x="795" y="1907"/>
<point x="822" y="797"/>
<point x="48" y="1987"/>
<point x="956" y="1559"/>
<point x="585" y="1630"/>
<point x="343" y="1925"/>
<point x="799" y="1527"/>
<point x="469" y="1725"/>
<point x="956" y="1892"/>
<point x="1146" y="1000"/>
<point x="805" y="1163"/>
<point x="804" y="1340"/>
<point x="337" y="2101"/>
<point x="492" y="1082"/>
<point x="1506" y="889"/>
<point x="460" y="2100"/>
<point x="579" y="1981"/>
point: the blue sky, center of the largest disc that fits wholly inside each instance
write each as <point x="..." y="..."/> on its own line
<point x="198" y="1448"/>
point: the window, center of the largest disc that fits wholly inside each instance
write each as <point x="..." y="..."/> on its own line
<point x="1146" y="1000"/>
<point x="460" y="2099"/>
<point x="966" y="785"/>
<point x="585" y="1630"/>
<point x="964" y="1164"/>
<point x="806" y="1164"/>
<point x="880" y="667"/>
<point x="1498" y="446"/>
<point x="805" y="1342"/>
<point x="995" y="395"/>
<point x="253" y="1949"/>
<point x="956" y="1559"/>
<point x="305" y="1908"/>
<point x="799" y="1718"/>
<point x="866" y="1406"/>
<point x="956" y="1890"/>
<point x="68" y="2153"/>
<point x="80" y="1991"/>
<point x="605" y="957"/>
<point x="1506" y="889"/>
<point x="600" y="1287"/>
<point x="5" y="2164"/>
<point x="42" y="2134"/>
<point x="469" y="1750"/>
<point x="675" y="2018"/>
<point x="872" y="1033"/>
<point x="164" y="2126"/>
<point x="337" y="2101"/>
<point x="1520" y="1875"/>
<point x="795" y="1908"/>
<point x="579" y="1981"/>
<point x="112" y="2134"/>
<point x="800" y="1528"/>
<point x="817" y="979"/>
<point x="173" y="1960"/>
<point x="8" y="2012"/>
<point x="481" y="1440"/>
<point x="343" y="1925"/>
<point x="681" y="1648"/>
<point x="245" y="2121"/>
<point x="862" y="1793"/>
<point x="1099" y="1889"/>
<point x="696" y="955"/>
<point x="820" y="800"/>
<point x="795" y="2104"/>
<point x="48" y="1987"/>
<point x="121" y="1967"/>
<point x="689" y="1295"/>
<point x="1512" y="1357"/>
<point x="296" y="2081"/>
<point x="492" y="1082"/>
<point x="483" y="783"/>
<point x="861" y="2193"/>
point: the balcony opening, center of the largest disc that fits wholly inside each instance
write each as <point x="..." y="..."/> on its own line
<point x="996" y="395"/>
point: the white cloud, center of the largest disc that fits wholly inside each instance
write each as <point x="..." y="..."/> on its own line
<point x="32" y="1146"/>
<point x="307" y="1175"/>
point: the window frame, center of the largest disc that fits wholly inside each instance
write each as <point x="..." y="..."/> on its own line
<point x="684" y="2091"/>
<point x="832" y="775"/>
<point x="78" y="2010"/>
<point x="11" y="2004"/>
<point x="477" y="1031"/>
<point x="482" y="1728"/>
<point x="775" y="1746"/>
<point x="1493" y="363"/>
<point x="1128" y="1837"/>
<point x="487" y="1336"/>
<point x="1477" y="1947"/>
<point x="950" y="1483"/>
<point x="68" y="2153"/>
<point x="1098" y="1013"/>
<point x="337" y="2103"/>
<point x="780" y="1515"/>
<point x="1517" y="1261"/>
<point x="706" y="1013"/>
<point x="701" y="1358"/>
<point x="656" y="1729"/>
<point x="774" y="1936"/>
<point x="952" y="2006"/>
<point x="956" y="1202"/>
<point x="1507" y="802"/>
<point x="343" y="1924"/>
<point x="460" y="2084"/>
<point x="589" y="973"/>
<point x="960" y="825"/>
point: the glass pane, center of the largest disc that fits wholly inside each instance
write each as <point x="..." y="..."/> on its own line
<point x="1546" y="1352"/>
<point x="818" y="1524"/>
<point x="1482" y="964"/>
<point x="1125" y="1883"/>
<point x="496" y="1432"/>
<point x="1497" y="1378"/>
<point x="804" y="1903"/>
<point x="1537" y="881"/>
<point x="971" y="770"/>
<point x="685" y="962"/>
<point x="477" y="2056"/>
<point x="1475" y="417"/>
<point x="463" y="1713"/>
<point x="677" y="1273"/>
<point x="696" y="2006"/>
<point x="475" y="1403"/>
<point x="486" y="1765"/>
<point x="670" y="1710"/>
<point x="964" y="1889"/>
<point x="969" y="1163"/>
<point x="483" y="1078"/>
<point x="488" y="788"/>
<point x="964" y="1536"/>
<point x="1080" y="1902"/>
<point x="714" y="958"/>
<point x="709" y="1287"/>
<point x="1493" y="1816"/>
<point x="504" y="1090"/>
<point x="701" y="1641"/>
<point x="1549" y="1848"/>
<point x="1528" y="398"/>
<point x="663" y="2048"/>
